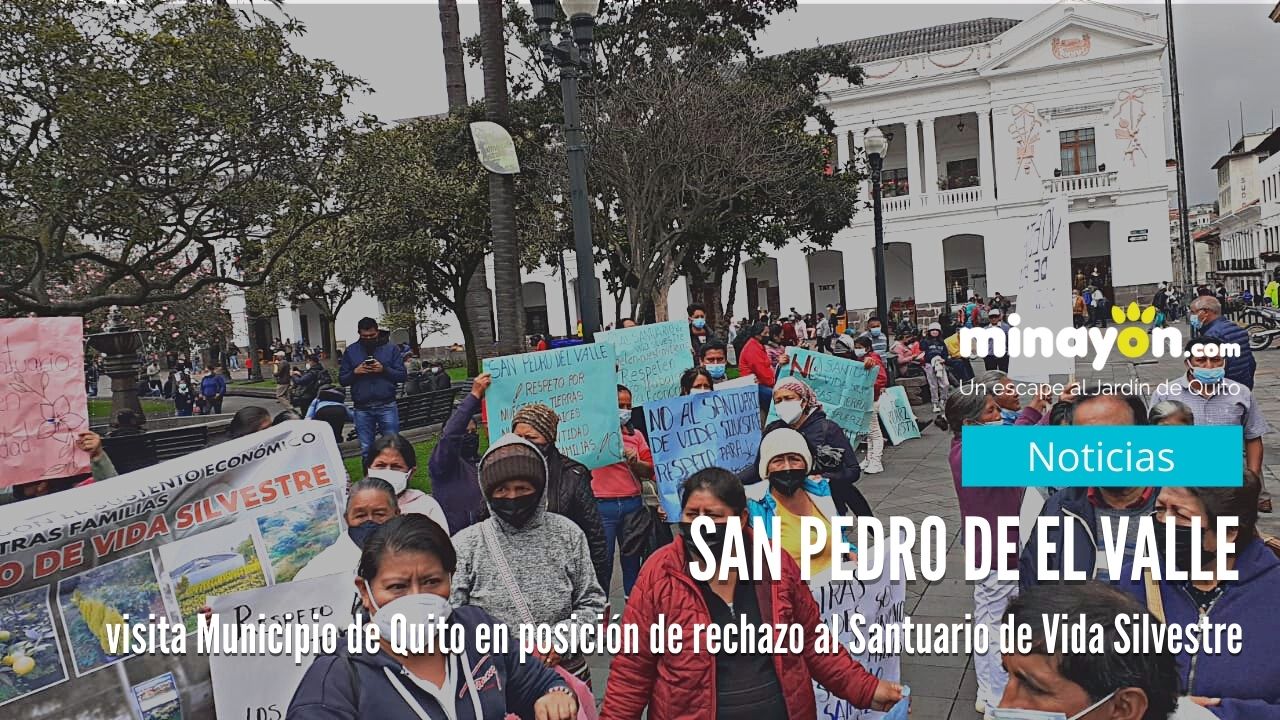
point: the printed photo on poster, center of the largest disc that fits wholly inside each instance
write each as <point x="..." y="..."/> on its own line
<point x="216" y="562"/>
<point x="295" y="535"/>
<point x="96" y="598"/>
<point x="158" y="698"/>
<point x="30" y="656"/>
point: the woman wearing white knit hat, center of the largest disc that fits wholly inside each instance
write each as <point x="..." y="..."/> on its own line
<point x="785" y="461"/>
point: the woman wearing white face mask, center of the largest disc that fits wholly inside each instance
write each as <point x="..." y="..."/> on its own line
<point x="990" y="596"/>
<point x="406" y="569"/>
<point x="395" y="461"/>
<point x="696" y="380"/>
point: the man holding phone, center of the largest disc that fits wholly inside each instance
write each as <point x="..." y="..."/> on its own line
<point x="372" y="367"/>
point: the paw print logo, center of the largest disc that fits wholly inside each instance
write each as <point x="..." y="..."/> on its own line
<point x="1133" y="313"/>
<point x="1133" y="341"/>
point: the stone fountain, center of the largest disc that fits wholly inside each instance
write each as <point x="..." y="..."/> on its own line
<point x="121" y="345"/>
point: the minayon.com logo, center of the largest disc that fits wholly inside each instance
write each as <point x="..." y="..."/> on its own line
<point x="1134" y="341"/>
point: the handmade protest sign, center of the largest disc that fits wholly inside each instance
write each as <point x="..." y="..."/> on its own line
<point x="845" y="387"/>
<point x="43" y="407"/>
<point x="158" y="541"/>
<point x="686" y="434"/>
<point x="238" y="689"/>
<point x="1044" y="290"/>
<point x="895" y="412"/>
<point x="650" y="358"/>
<point x="880" y="602"/>
<point x="738" y="382"/>
<point x="578" y="382"/>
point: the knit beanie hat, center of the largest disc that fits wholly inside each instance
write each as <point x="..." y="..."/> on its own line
<point x="540" y="418"/>
<point x="781" y="442"/>
<point x="801" y="388"/>
<point x="512" y="458"/>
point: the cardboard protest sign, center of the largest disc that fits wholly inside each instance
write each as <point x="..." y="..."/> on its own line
<point x="238" y="690"/>
<point x="159" y="541"/>
<point x="845" y="388"/>
<point x="43" y="407"/>
<point x="687" y="434"/>
<point x="895" y="412"/>
<point x="650" y="358"/>
<point x="578" y="382"/>
<point x="1044" y="289"/>
<point x="880" y="602"/>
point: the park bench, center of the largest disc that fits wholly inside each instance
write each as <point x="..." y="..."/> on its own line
<point x="426" y="409"/>
<point x="134" y="452"/>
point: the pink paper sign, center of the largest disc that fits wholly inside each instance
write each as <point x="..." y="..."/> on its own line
<point x="42" y="399"/>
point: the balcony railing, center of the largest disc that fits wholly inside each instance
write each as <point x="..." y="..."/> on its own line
<point x="1080" y="184"/>
<point x="901" y="203"/>
<point x="959" y="196"/>
<point x="1238" y="264"/>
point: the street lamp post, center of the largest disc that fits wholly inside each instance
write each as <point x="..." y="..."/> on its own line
<point x="876" y="145"/>
<point x="572" y="55"/>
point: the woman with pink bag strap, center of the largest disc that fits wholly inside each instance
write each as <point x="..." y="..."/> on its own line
<point x="523" y="564"/>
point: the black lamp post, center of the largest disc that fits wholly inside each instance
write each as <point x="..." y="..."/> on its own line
<point x="876" y="145"/>
<point x="573" y="55"/>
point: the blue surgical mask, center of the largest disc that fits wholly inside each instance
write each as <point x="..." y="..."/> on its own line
<point x="624" y="415"/>
<point x="1195" y="322"/>
<point x="1011" y="714"/>
<point x="359" y="534"/>
<point x="876" y="331"/>
<point x="699" y="323"/>
<point x="1007" y="416"/>
<point x="1209" y="376"/>
<point x="715" y="370"/>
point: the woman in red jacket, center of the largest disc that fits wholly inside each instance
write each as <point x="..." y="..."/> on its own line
<point x="742" y="685"/>
<point x="753" y="359"/>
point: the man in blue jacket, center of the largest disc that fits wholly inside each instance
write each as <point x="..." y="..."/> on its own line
<point x="372" y="367"/>
<point x="213" y="388"/>
<point x="1206" y="319"/>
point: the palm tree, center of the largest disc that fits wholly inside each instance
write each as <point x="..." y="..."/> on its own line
<point x="478" y="305"/>
<point x="506" y="249"/>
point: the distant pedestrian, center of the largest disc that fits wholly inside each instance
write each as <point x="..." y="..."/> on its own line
<point x="213" y="388"/>
<point x="179" y="388"/>
<point x="284" y="376"/>
<point x="372" y="367"/>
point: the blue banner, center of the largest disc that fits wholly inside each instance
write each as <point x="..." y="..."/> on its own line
<point x="651" y="358"/>
<point x="579" y="383"/>
<point x="686" y="434"/>
<point x="846" y="388"/>
<point x="1102" y="456"/>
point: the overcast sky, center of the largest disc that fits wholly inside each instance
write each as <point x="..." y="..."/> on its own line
<point x="1228" y="54"/>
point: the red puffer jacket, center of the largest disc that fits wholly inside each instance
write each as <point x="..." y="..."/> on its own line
<point x="675" y="686"/>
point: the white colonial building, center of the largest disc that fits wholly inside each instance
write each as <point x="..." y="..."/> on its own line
<point x="1244" y="256"/>
<point x="987" y="119"/>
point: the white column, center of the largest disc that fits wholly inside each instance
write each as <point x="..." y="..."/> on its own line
<point x="842" y="148"/>
<point x="930" y="159"/>
<point x="986" y="170"/>
<point x="864" y="192"/>
<point x="912" y="140"/>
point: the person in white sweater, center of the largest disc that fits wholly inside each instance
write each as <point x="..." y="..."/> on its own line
<point x="524" y="564"/>
<point x="394" y="460"/>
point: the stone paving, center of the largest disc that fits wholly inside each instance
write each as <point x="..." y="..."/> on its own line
<point x="917" y="483"/>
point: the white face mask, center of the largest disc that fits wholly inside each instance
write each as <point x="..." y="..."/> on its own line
<point x="398" y="481"/>
<point x="695" y="391"/>
<point x="624" y="416"/>
<point x="789" y="410"/>
<point x="418" y="609"/>
<point x="1011" y="714"/>
<point x="859" y="353"/>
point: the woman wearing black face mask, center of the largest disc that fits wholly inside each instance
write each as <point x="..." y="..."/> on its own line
<point x="794" y="492"/>
<point x="454" y="459"/>
<point x="524" y="564"/>
<point x="737" y="685"/>
<point x="1234" y="685"/>
<point x="370" y="503"/>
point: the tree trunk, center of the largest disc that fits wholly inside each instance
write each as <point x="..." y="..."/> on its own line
<point x="468" y="341"/>
<point x="506" y="248"/>
<point x="733" y="292"/>
<point x="658" y="297"/>
<point x="331" y="348"/>
<point x="455" y="78"/>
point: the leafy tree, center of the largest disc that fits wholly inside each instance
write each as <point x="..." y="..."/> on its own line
<point x="426" y="223"/>
<point x="159" y="144"/>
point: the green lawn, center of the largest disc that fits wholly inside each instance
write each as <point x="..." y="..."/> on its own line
<point x="420" y="479"/>
<point x="100" y="408"/>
